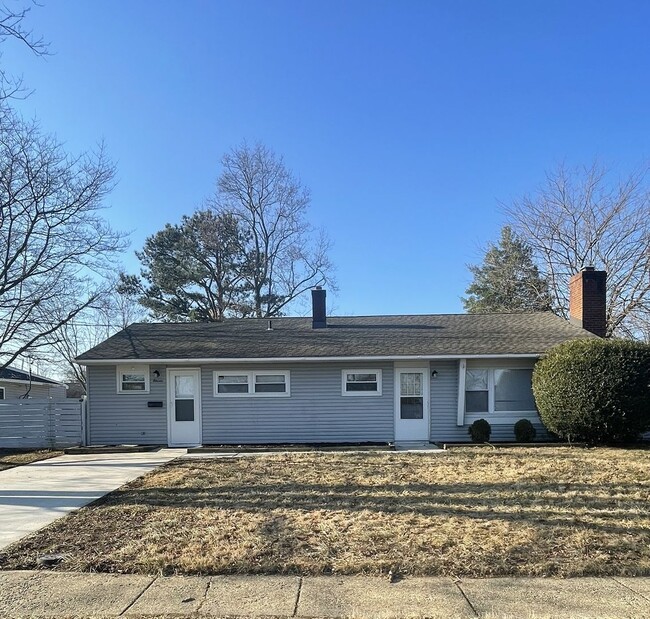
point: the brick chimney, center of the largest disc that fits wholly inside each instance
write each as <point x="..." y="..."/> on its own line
<point x="587" y="300"/>
<point x="319" y="316"/>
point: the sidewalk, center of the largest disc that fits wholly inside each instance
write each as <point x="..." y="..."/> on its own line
<point x="75" y="595"/>
<point x="36" y="494"/>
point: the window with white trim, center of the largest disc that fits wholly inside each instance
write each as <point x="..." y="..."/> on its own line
<point x="231" y="384"/>
<point x="271" y="383"/>
<point x="476" y="391"/>
<point x="2" y="393"/>
<point x="133" y="379"/>
<point x="495" y="391"/>
<point x="361" y="382"/>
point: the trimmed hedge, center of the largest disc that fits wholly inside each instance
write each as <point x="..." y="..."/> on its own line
<point x="525" y="431"/>
<point x="595" y="390"/>
<point x="480" y="431"/>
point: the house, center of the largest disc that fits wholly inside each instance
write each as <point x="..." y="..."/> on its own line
<point x="20" y="384"/>
<point x="326" y="379"/>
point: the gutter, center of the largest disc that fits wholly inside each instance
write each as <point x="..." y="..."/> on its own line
<point x="195" y="360"/>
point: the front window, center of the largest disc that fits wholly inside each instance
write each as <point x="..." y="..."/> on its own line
<point x="2" y="393"/>
<point x="232" y="383"/>
<point x="476" y="391"/>
<point x="499" y="391"/>
<point x="133" y="379"/>
<point x="270" y="383"/>
<point x="513" y="390"/>
<point x="251" y="384"/>
<point x="361" y="382"/>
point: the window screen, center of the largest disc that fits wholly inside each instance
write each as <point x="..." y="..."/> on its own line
<point x="232" y="383"/>
<point x="476" y="391"/>
<point x="513" y="390"/>
<point x="270" y="383"/>
<point x="361" y="382"/>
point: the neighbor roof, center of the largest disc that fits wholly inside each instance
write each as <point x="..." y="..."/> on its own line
<point x="351" y="336"/>
<point x="9" y="373"/>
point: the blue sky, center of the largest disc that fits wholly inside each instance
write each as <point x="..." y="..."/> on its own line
<point x="409" y="121"/>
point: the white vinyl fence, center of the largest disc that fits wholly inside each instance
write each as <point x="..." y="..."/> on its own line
<point x="41" y="423"/>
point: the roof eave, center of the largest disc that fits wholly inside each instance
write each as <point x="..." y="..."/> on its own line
<point x="528" y="355"/>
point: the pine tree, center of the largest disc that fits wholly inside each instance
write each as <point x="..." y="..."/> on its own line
<point x="508" y="280"/>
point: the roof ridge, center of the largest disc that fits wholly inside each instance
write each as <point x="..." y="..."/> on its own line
<point x="255" y="319"/>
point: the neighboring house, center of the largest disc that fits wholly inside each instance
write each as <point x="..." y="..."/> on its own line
<point x="20" y="384"/>
<point x="358" y="379"/>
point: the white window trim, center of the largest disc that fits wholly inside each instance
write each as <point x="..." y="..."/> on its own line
<point x="491" y="415"/>
<point x="131" y="368"/>
<point x="363" y="394"/>
<point x="215" y="379"/>
<point x="4" y="393"/>
<point x="251" y="383"/>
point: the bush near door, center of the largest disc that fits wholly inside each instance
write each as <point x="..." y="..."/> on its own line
<point x="480" y="431"/>
<point x="525" y="431"/>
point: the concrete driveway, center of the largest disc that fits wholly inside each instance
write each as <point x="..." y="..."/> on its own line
<point x="34" y="495"/>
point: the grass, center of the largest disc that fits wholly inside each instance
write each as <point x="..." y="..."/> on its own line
<point x="521" y="512"/>
<point x="10" y="458"/>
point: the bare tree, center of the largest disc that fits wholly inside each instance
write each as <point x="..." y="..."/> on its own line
<point x="285" y="256"/>
<point x="582" y="217"/>
<point x="54" y="244"/>
<point x="108" y="313"/>
<point x="12" y="26"/>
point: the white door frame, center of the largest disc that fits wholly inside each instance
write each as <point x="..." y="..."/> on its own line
<point x="170" y="408"/>
<point x="426" y="398"/>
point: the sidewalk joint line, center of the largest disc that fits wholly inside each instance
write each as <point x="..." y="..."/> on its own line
<point x="295" y="608"/>
<point x="457" y="583"/>
<point x="137" y="597"/>
<point x="205" y="596"/>
<point x="618" y="582"/>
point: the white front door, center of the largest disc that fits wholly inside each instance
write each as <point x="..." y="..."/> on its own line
<point x="184" y="407"/>
<point x="411" y="404"/>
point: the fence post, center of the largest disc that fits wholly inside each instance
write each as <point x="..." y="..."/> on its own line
<point x="83" y="403"/>
<point x="51" y="427"/>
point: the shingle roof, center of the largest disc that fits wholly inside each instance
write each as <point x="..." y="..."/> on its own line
<point x="10" y="373"/>
<point x="352" y="336"/>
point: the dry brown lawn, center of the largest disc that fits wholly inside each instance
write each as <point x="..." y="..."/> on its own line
<point x="16" y="457"/>
<point x="475" y="512"/>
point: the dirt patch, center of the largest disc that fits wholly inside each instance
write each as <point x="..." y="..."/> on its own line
<point x="16" y="457"/>
<point x="521" y="512"/>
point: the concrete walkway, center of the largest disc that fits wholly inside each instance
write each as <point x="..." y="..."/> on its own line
<point x="58" y="594"/>
<point x="34" y="495"/>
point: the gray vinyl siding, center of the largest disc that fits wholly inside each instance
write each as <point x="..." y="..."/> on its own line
<point x="444" y="402"/>
<point x="119" y="418"/>
<point x="316" y="411"/>
<point x="18" y="390"/>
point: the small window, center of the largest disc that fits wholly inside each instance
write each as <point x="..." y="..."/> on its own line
<point x="2" y="393"/>
<point x="133" y="379"/>
<point x="270" y="383"/>
<point x="232" y="383"/>
<point x="476" y="391"/>
<point x="361" y="382"/>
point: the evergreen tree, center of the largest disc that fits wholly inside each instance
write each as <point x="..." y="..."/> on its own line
<point x="193" y="271"/>
<point x="508" y="280"/>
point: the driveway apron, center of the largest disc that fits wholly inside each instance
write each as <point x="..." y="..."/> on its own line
<point x="35" y="495"/>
